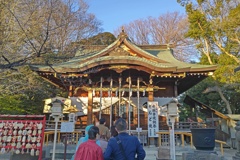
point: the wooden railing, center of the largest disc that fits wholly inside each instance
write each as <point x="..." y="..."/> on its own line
<point x="50" y="125"/>
<point x="182" y="129"/>
<point x="162" y="135"/>
<point x="183" y="125"/>
<point x="223" y="136"/>
<point x="75" y="135"/>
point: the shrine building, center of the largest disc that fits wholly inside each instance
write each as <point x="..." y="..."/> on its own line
<point x="119" y="79"/>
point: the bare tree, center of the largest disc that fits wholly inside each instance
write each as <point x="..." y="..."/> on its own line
<point x="169" y="28"/>
<point x="30" y="31"/>
<point x="138" y="31"/>
<point x="32" y="28"/>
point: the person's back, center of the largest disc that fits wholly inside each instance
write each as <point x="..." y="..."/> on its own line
<point x="103" y="143"/>
<point x="89" y="150"/>
<point x="84" y="139"/>
<point x="113" y="131"/>
<point x="130" y="144"/>
<point x="103" y="130"/>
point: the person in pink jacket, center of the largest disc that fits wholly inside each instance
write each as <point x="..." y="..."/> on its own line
<point x="89" y="150"/>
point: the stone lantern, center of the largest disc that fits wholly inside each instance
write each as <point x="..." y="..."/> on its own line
<point x="72" y="110"/>
<point x="56" y="108"/>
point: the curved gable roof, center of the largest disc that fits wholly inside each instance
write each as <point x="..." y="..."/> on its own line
<point x="124" y="52"/>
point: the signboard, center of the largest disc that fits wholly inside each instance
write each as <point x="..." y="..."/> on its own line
<point x="139" y="129"/>
<point x="67" y="127"/>
<point x="153" y="125"/>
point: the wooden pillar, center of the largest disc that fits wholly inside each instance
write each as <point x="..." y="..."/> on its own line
<point x="70" y="92"/>
<point x="90" y="108"/>
<point x="150" y="93"/>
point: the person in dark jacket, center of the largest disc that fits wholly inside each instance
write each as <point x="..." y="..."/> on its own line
<point x="113" y="131"/>
<point x="124" y="146"/>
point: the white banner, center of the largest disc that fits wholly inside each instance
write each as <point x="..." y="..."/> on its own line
<point x="153" y="124"/>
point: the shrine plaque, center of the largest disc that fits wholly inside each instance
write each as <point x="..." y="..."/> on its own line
<point x="67" y="127"/>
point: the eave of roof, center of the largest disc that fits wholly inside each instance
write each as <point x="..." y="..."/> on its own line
<point x="77" y="66"/>
<point x="161" y="59"/>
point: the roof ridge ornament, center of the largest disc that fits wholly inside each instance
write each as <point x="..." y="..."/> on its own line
<point x="122" y="35"/>
<point x="123" y="29"/>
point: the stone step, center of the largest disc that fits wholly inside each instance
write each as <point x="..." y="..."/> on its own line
<point x="62" y="151"/>
<point x="59" y="152"/>
<point x="61" y="155"/>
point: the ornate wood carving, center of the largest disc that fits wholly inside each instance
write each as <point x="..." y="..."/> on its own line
<point x="119" y="68"/>
<point x="119" y="52"/>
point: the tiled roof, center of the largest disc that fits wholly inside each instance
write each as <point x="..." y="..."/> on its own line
<point x="158" y="58"/>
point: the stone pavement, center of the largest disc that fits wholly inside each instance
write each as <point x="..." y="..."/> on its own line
<point x="152" y="152"/>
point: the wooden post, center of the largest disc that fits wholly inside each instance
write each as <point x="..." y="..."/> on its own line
<point x="90" y="107"/>
<point x="70" y="93"/>
<point x="150" y="93"/>
<point x="182" y="139"/>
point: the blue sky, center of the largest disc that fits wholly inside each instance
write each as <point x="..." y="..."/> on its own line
<point x="115" y="13"/>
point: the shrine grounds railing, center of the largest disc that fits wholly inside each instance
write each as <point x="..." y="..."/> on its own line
<point x="184" y="125"/>
<point x="50" y="125"/>
<point x="181" y="138"/>
<point x="72" y="137"/>
<point x="183" y="130"/>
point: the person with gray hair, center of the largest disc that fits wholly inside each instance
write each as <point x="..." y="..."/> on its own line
<point x="124" y="146"/>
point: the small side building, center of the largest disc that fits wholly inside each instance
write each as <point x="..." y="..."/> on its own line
<point x="224" y="123"/>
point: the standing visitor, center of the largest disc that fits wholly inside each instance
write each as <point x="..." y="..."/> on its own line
<point x="124" y="146"/>
<point x="103" y="130"/>
<point x="103" y="143"/>
<point x="89" y="150"/>
<point x="84" y="139"/>
<point x="113" y="131"/>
